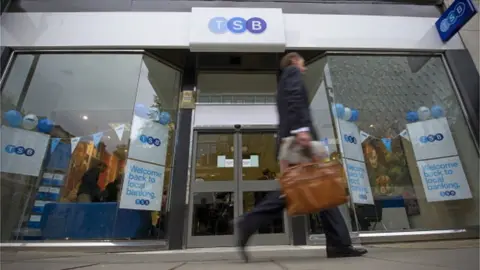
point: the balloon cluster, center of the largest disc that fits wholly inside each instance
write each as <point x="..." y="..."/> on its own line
<point x="30" y="121"/>
<point x="154" y="114"/>
<point x="345" y="113"/>
<point x="424" y="113"/>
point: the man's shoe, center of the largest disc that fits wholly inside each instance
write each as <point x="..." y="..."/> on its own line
<point x="341" y="252"/>
<point x="240" y="240"/>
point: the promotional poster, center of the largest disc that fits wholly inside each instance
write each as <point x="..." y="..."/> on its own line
<point x="23" y="151"/>
<point x="358" y="183"/>
<point x="432" y="139"/>
<point x="142" y="186"/>
<point x="351" y="145"/>
<point x="148" y="141"/>
<point x="443" y="179"/>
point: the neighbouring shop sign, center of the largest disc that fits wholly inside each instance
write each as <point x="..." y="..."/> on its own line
<point x="358" y="183"/>
<point x="23" y="151"/>
<point x="443" y="179"/>
<point x="350" y="140"/>
<point x="237" y="30"/>
<point x="431" y="139"/>
<point x="148" y="141"/>
<point x="142" y="187"/>
<point x="454" y="18"/>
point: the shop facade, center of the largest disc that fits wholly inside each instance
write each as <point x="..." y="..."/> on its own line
<point x="83" y="91"/>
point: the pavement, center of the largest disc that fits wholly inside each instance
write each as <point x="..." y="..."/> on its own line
<point x="444" y="255"/>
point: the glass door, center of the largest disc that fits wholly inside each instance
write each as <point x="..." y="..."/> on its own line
<point x="231" y="172"/>
<point x="258" y="177"/>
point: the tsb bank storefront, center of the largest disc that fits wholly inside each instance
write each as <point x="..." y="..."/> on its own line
<point x="171" y="116"/>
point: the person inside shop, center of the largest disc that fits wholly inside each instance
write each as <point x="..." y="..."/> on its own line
<point x="295" y="120"/>
<point x="89" y="191"/>
<point x="110" y="194"/>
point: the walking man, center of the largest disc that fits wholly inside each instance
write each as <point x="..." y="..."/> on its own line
<point x="295" y="119"/>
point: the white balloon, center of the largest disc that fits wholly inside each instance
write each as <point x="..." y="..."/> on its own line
<point x="30" y="121"/>
<point x="423" y="113"/>
<point x="348" y="114"/>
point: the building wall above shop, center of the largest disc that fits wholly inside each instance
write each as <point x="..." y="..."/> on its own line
<point x="413" y="8"/>
<point x="107" y="30"/>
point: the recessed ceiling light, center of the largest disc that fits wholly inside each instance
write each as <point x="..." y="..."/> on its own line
<point x="109" y="137"/>
<point x="371" y="125"/>
<point x="85" y="117"/>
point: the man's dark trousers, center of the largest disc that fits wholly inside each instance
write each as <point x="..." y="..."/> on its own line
<point x="264" y="213"/>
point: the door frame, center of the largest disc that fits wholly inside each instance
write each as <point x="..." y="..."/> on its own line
<point x="238" y="186"/>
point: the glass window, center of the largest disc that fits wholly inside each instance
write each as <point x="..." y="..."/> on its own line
<point x="408" y="140"/>
<point x="69" y="123"/>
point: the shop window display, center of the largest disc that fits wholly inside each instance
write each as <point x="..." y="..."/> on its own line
<point x="405" y="143"/>
<point x="70" y="115"/>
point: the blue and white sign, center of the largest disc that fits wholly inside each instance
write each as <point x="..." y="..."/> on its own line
<point x="22" y="151"/>
<point x="148" y="141"/>
<point x="431" y="139"/>
<point x="360" y="190"/>
<point x="350" y="141"/>
<point x="454" y="18"/>
<point x="443" y="179"/>
<point x="237" y="25"/>
<point x="237" y="30"/>
<point x="142" y="186"/>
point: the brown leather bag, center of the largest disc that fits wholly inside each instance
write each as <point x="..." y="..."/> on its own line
<point x="312" y="187"/>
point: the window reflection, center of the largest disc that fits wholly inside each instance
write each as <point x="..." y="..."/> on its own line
<point x="213" y="213"/>
<point x="259" y="156"/>
<point x="215" y="157"/>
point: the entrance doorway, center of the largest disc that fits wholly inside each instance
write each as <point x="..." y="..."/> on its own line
<point x="232" y="171"/>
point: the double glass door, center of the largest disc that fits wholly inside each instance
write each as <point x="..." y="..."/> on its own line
<point x="232" y="172"/>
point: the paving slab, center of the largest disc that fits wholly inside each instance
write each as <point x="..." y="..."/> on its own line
<point x="362" y="263"/>
<point x="462" y="259"/>
<point x="45" y="266"/>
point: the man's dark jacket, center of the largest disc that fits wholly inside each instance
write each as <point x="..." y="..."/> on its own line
<point x="292" y="104"/>
<point x="89" y="184"/>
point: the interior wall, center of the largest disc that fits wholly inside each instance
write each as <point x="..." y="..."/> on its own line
<point x="236" y="83"/>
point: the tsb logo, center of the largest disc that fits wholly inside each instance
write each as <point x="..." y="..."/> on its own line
<point x="150" y="140"/>
<point x="448" y="193"/>
<point x="431" y="138"/>
<point x="237" y="25"/>
<point x="349" y="139"/>
<point x="19" y="150"/>
<point x="142" y="202"/>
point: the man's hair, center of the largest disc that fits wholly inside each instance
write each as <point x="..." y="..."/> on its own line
<point x="287" y="59"/>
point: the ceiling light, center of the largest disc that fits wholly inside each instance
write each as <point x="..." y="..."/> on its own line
<point x="371" y="126"/>
<point x="109" y="137"/>
<point x="85" y="117"/>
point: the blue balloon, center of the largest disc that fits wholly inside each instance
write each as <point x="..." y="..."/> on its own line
<point x="437" y="111"/>
<point x="412" y="116"/>
<point x="13" y="118"/>
<point x="354" y="116"/>
<point x="338" y="110"/>
<point x="45" y="125"/>
<point x="164" y="118"/>
<point x="141" y="111"/>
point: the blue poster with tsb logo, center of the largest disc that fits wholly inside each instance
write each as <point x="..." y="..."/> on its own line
<point x="142" y="187"/>
<point x="23" y="151"/>
<point x="443" y="179"/>
<point x="432" y="139"/>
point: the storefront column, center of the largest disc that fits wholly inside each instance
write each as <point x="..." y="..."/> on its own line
<point x="178" y="185"/>
<point x="467" y="80"/>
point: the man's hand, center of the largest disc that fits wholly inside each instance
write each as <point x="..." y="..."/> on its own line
<point x="303" y="138"/>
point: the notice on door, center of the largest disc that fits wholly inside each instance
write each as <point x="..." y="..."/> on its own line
<point x="142" y="187"/>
